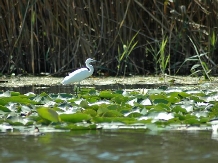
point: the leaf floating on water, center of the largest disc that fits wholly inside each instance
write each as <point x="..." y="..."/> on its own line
<point x="4" y="109"/>
<point x="15" y="93"/>
<point x="84" y="104"/>
<point x="91" y="112"/>
<point x="178" y="109"/>
<point x="106" y="94"/>
<point x="16" y="99"/>
<point x="74" y="118"/>
<point x="159" y="106"/>
<point x="48" y="114"/>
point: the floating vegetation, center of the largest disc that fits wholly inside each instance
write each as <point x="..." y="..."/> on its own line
<point x="92" y="109"/>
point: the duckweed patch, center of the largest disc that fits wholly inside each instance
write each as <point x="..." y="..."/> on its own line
<point x="92" y="109"/>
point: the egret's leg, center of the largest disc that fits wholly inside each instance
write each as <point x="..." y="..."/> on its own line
<point x="75" y="89"/>
<point x="79" y="86"/>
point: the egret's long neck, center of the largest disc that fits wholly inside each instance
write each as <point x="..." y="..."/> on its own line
<point x="90" y="67"/>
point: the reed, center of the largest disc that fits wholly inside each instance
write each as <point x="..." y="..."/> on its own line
<point x="57" y="36"/>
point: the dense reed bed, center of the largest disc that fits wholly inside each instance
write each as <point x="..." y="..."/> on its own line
<point x="127" y="36"/>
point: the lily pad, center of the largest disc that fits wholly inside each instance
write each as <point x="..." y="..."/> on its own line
<point x="48" y="114"/>
<point x="74" y="118"/>
<point x="4" y="109"/>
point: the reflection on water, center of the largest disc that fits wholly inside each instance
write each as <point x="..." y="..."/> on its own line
<point x="129" y="146"/>
<point x="214" y="135"/>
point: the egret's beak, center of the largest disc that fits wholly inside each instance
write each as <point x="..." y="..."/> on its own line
<point x="93" y="60"/>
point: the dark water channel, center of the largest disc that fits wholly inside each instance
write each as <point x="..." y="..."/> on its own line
<point x="37" y="89"/>
<point x="120" y="146"/>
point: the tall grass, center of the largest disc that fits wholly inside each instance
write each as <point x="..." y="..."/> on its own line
<point x="57" y="36"/>
<point x="123" y="57"/>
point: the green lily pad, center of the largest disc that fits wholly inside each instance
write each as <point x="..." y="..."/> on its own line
<point x="4" y="109"/>
<point x="204" y="119"/>
<point x="91" y="112"/>
<point x="15" y="93"/>
<point x="125" y="120"/>
<point x="16" y="99"/>
<point x="74" y="118"/>
<point x="106" y="94"/>
<point x="192" y="121"/>
<point x="48" y="114"/>
<point x="178" y="109"/>
<point x="134" y="114"/>
<point x="112" y="113"/>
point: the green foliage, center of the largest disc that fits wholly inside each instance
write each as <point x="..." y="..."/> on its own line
<point x="212" y="47"/>
<point x="48" y="114"/>
<point x="91" y="112"/>
<point x="110" y="109"/>
<point x="99" y="33"/>
<point x="74" y="118"/>
<point x="163" y="58"/>
<point x="160" y="59"/>
<point x="123" y="56"/>
<point x="179" y="109"/>
<point x="106" y="95"/>
<point x="4" y="109"/>
<point x="200" y="67"/>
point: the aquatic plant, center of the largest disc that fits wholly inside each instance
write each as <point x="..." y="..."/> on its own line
<point x="93" y="109"/>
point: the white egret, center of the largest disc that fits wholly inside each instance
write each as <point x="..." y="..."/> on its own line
<point x="80" y="74"/>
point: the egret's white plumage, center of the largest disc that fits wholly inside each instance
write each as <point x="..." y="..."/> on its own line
<point x="80" y="74"/>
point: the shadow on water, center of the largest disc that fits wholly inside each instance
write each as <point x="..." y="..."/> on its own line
<point x="70" y="88"/>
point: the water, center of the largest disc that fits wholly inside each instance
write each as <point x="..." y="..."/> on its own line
<point x="70" y="88"/>
<point x="118" y="146"/>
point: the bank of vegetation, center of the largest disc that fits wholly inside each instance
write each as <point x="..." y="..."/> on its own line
<point x="128" y="37"/>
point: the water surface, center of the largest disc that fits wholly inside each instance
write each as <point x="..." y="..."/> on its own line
<point x="120" y="146"/>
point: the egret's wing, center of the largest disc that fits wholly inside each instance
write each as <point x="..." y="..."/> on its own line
<point x="76" y="76"/>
